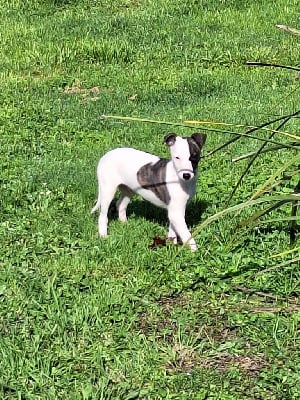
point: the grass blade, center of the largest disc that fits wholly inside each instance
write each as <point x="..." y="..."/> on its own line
<point x="286" y="252"/>
<point x="260" y="214"/>
<point x="278" y="172"/>
<point x="286" y="119"/>
<point x="275" y="148"/>
<point x="242" y="206"/>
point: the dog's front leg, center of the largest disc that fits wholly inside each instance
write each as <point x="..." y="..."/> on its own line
<point x="177" y="221"/>
<point x="172" y="235"/>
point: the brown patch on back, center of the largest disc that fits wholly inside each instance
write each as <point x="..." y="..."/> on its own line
<point x="153" y="177"/>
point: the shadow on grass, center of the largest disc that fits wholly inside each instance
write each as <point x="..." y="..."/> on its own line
<point x="144" y="209"/>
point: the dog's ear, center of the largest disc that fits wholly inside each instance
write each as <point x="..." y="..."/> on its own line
<point x="199" y="138"/>
<point x="170" y="139"/>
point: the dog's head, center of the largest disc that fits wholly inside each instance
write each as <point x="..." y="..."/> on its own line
<point x="185" y="153"/>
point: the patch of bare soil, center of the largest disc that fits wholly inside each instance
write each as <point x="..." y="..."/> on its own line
<point x="80" y="90"/>
<point x="250" y="363"/>
<point x="187" y="359"/>
<point x="77" y="88"/>
<point x="214" y="331"/>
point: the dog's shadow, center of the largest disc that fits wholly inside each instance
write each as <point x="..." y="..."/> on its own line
<point x="143" y="209"/>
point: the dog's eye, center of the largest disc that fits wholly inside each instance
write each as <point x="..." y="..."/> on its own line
<point x="177" y="158"/>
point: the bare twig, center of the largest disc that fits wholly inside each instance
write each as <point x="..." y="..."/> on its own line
<point x="263" y="64"/>
<point x="273" y="148"/>
<point x="258" y="293"/>
<point x="250" y="131"/>
<point x="291" y="308"/>
<point x="288" y="29"/>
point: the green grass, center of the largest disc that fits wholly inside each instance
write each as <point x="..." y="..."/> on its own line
<point x="84" y="318"/>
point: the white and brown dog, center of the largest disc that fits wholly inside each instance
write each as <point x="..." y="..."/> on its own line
<point x="166" y="183"/>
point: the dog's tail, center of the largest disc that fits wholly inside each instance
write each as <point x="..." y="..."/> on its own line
<point x="96" y="206"/>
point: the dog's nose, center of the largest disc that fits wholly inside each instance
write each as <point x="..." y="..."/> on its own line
<point x="186" y="176"/>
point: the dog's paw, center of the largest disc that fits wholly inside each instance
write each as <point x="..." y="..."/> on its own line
<point x="123" y="218"/>
<point x="193" y="247"/>
<point x="172" y="239"/>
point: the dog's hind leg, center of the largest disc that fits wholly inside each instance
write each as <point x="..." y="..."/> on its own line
<point x="123" y="202"/>
<point x="106" y="197"/>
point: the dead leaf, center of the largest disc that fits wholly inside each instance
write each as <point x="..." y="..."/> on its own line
<point x="133" y="97"/>
<point x="158" y="242"/>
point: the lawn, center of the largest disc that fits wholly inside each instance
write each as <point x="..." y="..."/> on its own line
<point x="89" y="318"/>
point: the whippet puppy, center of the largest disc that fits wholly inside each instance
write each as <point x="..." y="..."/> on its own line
<point x="166" y="183"/>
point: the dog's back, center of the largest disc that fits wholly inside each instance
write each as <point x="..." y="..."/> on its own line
<point x="118" y="165"/>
